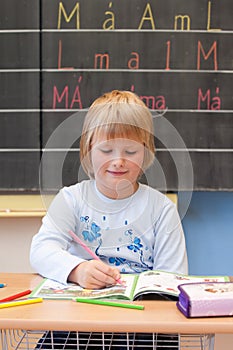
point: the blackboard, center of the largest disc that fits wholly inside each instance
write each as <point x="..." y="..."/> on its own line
<point x="19" y="95"/>
<point x="61" y="55"/>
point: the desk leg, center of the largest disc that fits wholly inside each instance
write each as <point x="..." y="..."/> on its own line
<point x="6" y="339"/>
<point x="3" y="340"/>
<point x="212" y="339"/>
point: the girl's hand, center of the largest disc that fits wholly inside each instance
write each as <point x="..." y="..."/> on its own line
<point x="94" y="274"/>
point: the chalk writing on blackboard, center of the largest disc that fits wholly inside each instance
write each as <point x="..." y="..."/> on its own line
<point x="145" y="18"/>
<point x="59" y="56"/>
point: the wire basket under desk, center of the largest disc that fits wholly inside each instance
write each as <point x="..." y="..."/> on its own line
<point x="28" y="340"/>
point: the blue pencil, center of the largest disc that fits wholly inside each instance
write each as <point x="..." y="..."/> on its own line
<point x="2" y="285"/>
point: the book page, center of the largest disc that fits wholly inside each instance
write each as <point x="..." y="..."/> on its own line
<point x="50" y="289"/>
<point x="167" y="282"/>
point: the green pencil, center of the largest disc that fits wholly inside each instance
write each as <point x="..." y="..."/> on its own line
<point x="109" y="303"/>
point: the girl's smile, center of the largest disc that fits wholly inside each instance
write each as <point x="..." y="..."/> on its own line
<point x="117" y="173"/>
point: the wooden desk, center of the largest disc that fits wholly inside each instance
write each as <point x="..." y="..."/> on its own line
<point x="158" y="316"/>
<point x="28" y="323"/>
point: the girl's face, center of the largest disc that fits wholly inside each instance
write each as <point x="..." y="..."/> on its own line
<point x="117" y="164"/>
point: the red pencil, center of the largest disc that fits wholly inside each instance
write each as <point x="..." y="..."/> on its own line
<point x="16" y="296"/>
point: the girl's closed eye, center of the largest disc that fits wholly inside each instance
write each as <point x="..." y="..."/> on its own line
<point x="110" y="150"/>
<point x="130" y="152"/>
<point x="105" y="150"/>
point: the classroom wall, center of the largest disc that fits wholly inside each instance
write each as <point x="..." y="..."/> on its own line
<point x="15" y="238"/>
<point x="208" y="227"/>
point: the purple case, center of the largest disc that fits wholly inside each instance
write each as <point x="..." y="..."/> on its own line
<point x="206" y="299"/>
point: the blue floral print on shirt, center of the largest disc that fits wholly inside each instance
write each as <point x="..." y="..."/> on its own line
<point x="92" y="230"/>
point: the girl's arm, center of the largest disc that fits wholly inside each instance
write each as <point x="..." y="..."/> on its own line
<point x="55" y="255"/>
<point x="170" y="249"/>
<point x="49" y="253"/>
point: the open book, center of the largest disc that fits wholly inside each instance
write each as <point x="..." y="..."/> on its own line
<point x="149" y="284"/>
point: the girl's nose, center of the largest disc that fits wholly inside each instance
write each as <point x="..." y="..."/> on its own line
<point x="118" y="162"/>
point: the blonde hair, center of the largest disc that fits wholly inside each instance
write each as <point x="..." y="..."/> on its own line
<point x="117" y="114"/>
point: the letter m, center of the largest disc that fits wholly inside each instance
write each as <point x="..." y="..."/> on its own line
<point x="62" y="11"/>
<point x="206" y="56"/>
<point x="100" y="59"/>
<point x="183" y="20"/>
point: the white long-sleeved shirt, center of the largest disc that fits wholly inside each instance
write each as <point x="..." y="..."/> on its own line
<point x="134" y="234"/>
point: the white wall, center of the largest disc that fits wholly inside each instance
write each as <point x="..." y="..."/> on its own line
<point x="15" y="240"/>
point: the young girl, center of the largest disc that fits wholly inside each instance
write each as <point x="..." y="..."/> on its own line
<point x="131" y="227"/>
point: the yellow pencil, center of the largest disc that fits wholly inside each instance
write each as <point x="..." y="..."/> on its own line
<point x="20" y="302"/>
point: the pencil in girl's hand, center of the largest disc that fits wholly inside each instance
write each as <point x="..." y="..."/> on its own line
<point x="16" y="296"/>
<point x="79" y="241"/>
<point x="92" y="254"/>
